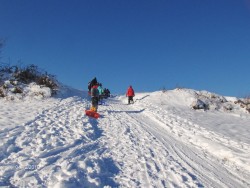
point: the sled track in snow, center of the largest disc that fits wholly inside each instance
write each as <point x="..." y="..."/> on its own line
<point x="136" y="145"/>
<point x="195" y="166"/>
<point x="156" y="164"/>
<point x="200" y="138"/>
<point x="190" y="159"/>
<point x="196" y="156"/>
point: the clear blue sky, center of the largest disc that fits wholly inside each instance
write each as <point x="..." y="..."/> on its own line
<point x="150" y="44"/>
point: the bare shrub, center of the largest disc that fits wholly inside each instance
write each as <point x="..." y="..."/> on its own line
<point x="31" y="73"/>
<point x="14" y="82"/>
<point x="244" y="103"/>
<point x="17" y="90"/>
<point x="199" y="104"/>
<point x="247" y="103"/>
<point x="163" y="89"/>
<point x="27" y="74"/>
<point x="2" y="93"/>
<point x="48" y="81"/>
<point x="179" y="87"/>
<point x="228" y="107"/>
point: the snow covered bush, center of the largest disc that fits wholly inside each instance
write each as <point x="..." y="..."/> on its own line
<point x="211" y="101"/>
<point x="199" y="104"/>
<point x="48" y="81"/>
<point x="248" y="108"/>
<point x="17" y="82"/>
<point x="27" y="74"/>
<point x="4" y="71"/>
<point x="33" y="90"/>
<point x="17" y="90"/>
<point x="228" y="107"/>
<point x="244" y="103"/>
<point x="164" y="90"/>
<point x="2" y="93"/>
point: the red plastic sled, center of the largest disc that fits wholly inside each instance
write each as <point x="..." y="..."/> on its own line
<point x="92" y="114"/>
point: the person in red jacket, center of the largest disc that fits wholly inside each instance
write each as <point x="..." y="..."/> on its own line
<point x="130" y="94"/>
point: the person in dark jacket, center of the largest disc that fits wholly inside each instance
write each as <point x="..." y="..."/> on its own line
<point x="91" y="83"/>
<point x="106" y="93"/>
<point x="94" y="97"/>
<point x="130" y="94"/>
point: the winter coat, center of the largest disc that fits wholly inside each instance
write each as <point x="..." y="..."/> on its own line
<point x="130" y="92"/>
<point x="94" y="91"/>
<point x="92" y="83"/>
<point x="100" y="89"/>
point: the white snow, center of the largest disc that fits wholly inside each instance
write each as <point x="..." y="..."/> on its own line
<point x="159" y="141"/>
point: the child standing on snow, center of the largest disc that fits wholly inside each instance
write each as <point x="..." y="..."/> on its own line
<point x="94" y="97"/>
<point x="130" y="94"/>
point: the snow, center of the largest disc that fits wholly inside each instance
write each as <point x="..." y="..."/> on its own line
<point x="159" y="141"/>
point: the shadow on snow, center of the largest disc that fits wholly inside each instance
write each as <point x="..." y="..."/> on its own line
<point x="127" y="111"/>
<point x="107" y="166"/>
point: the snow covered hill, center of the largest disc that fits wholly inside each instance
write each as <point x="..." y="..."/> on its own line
<point x="159" y="141"/>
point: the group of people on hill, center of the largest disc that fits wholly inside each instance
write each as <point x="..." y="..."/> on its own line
<point x="103" y="93"/>
<point x="97" y="93"/>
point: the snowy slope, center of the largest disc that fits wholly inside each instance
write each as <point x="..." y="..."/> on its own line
<point x="159" y="141"/>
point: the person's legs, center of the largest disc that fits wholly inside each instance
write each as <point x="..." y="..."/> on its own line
<point x="94" y="104"/>
<point x="130" y="99"/>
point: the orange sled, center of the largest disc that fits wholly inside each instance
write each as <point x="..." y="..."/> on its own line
<point x="92" y="114"/>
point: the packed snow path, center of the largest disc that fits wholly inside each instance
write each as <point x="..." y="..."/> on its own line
<point x="139" y="145"/>
<point x="59" y="148"/>
<point x="151" y="152"/>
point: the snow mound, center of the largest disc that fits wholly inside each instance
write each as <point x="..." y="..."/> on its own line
<point x="159" y="141"/>
<point x="25" y="91"/>
<point x="197" y="100"/>
<point x="17" y="83"/>
<point x="18" y="91"/>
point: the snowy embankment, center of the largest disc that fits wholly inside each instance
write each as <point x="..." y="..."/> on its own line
<point x="157" y="142"/>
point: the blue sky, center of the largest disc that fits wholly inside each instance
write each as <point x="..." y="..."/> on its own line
<point x="150" y="44"/>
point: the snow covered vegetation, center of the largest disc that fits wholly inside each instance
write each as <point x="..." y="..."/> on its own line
<point x="17" y="83"/>
<point x="176" y="138"/>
